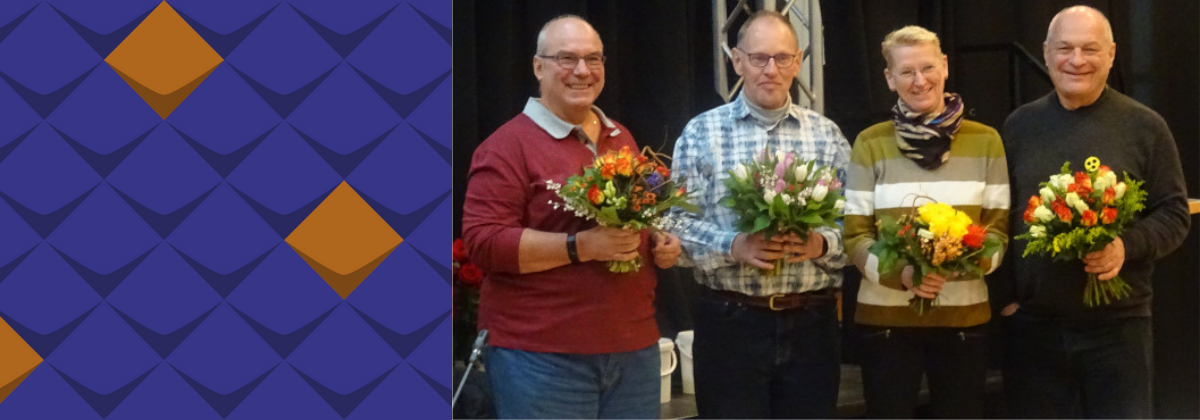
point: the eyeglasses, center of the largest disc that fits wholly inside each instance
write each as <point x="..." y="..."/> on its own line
<point x="569" y="61"/>
<point x="910" y="74"/>
<point x="761" y="60"/>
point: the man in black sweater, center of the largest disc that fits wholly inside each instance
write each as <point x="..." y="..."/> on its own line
<point x="1064" y="359"/>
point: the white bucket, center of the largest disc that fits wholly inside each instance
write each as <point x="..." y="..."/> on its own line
<point x="666" y="351"/>
<point x="684" y="342"/>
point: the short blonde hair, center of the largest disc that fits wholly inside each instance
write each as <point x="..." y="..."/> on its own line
<point x="908" y="36"/>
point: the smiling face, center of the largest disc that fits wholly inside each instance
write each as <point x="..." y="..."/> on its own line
<point x="569" y="92"/>
<point x="1079" y="54"/>
<point x="918" y="74"/>
<point x="767" y="86"/>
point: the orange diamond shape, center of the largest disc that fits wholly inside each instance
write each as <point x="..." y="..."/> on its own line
<point x="344" y="239"/>
<point x="17" y="360"/>
<point x="164" y="59"/>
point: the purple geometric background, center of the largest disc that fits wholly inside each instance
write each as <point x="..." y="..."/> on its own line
<point x="144" y="259"/>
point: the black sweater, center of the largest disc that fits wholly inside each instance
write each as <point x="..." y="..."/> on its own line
<point x="1127" y="137"/>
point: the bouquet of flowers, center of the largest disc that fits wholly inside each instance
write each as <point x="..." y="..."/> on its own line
<point x="623" y="190"/>
<point x="937" y="239"/>
<point x="1077" y="214"/>
<point x="777" y="194"/>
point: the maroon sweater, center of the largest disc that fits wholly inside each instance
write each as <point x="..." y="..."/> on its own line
<point x="576" y="308"/>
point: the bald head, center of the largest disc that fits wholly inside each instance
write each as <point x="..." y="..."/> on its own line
<point x="558" y="22"/>
<point x="1079" y="15"/>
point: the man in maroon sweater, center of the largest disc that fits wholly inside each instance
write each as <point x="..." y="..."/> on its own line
<point x="569" y="339"/>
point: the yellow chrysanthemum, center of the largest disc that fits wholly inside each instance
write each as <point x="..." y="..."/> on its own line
<point x="945" y="220"/>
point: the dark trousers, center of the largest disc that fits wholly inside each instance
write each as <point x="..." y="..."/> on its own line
<point x="954" y="361"/>
<point x="1072" y="369"/>
<point x="756" y="363"/>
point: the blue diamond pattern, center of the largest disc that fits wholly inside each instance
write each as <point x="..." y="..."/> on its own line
<point x="284" y="54"/>
<point x="44" y="53"/>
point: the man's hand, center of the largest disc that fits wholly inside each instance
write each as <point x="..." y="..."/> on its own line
<point x="1106" y="262"/>
<point x="799" y="249"/>
<point x="755" y="250"/>
<point x="666" y="249"/>
<point x="930" y="286"/>
<point x="607" y="244"/>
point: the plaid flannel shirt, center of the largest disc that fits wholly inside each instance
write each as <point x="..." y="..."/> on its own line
<point x="714" y="143"/>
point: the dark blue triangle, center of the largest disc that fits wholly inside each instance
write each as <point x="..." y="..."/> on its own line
<point x="345" y="404"/>
<point x="401" y="103"/>
<point x="164" y="344"/>
<point x="344" y="44"/>
<point x="284" y="104"/>
<point x="12" y="145"/>
<point x="44" y="344"/>
<point x="225" y="44"/>
<point x="344" y="164"/>
<point x="103" y="164"/>
<point x="46" y="104"/>
<point x="7" y="29"/>
<point x="223" y="404"/>
<point x="283" y="224"/>
<point x="12" y="265"/>
<point x="404" y="224"/>
<point x="45" y="224"/>
<point x="104" y="404"/>
<point x="164" y="224"/>
<point x="103" y="284"/>
<point x="223" y="164"/>
<point x="442" y="151"/>
<point x="284" y="344"/>
<point x="403" y="344"/>
<point x="438" y="27"/>
<point x="438" y="388"/>
<point x="224" y="284"/>
<point x="443" y="271"/>
<point x="103" y="44"/>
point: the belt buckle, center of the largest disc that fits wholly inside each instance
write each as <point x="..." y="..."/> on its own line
<point x="771" y="302"/>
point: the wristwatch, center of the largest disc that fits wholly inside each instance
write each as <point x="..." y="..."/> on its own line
<point x="572" y="252"/>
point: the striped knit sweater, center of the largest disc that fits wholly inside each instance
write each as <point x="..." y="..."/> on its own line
<point x="879" y="181"/>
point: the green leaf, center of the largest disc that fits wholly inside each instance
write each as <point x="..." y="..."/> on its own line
<point x="761" y="223"/>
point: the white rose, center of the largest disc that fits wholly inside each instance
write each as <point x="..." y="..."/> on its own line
<point x="800" y="172"/>
<point x="819" y="192"/>
<point x="1047" y="194"/>
<point x="1043" y="214"/>
<point x="1061" y="181"/>
<point x="741" y="172"/>
<point x="924" y="233"/>
<point x="1102" y="183"/>
<point x="1120" y="190"/>
<point x="1073" y="200"/>
<point x="1037" y="231"/>
<point x="769" y="196"/>
<point x="840" y="204"/>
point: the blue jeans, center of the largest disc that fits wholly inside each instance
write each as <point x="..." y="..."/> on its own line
<point x="575" y="386"/>
<point x="1069" y="369"/>
<point x="752" y="363"/>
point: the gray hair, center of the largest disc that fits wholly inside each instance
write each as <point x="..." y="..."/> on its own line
<point x="1108" y="32"/>
<point x="908" y="36"/>
<point x="765" y="14"/>
<point x="541" y="36"/>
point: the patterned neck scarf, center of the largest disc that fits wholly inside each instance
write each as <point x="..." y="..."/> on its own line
<point x="926" y="138"/>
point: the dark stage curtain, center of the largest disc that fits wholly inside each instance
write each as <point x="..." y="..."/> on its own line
<point x="660" y="74"/>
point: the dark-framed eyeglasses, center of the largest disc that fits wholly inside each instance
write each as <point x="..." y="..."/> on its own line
<point x="569" y="61"/>
<point x="761" y="60"/>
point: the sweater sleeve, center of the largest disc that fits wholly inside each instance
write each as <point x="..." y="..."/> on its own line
<point x="1165" y="221"/>
<point x="996" y="200"/>
<point x="860" y="228"/>
<point x="493" y="211"/>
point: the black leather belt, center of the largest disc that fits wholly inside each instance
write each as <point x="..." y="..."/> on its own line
<point x="781" y="301"/>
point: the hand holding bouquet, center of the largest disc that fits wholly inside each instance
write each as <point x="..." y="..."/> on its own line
<point x="938" y="239"/>
<point x="777" y="194"/>
<point x="623" y="190"/>
<point x="1077" y="214"/>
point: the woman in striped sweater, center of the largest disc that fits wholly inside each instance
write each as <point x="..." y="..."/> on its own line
<point x="928" y="150"/>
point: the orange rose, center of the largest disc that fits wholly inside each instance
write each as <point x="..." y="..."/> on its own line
<point x="595" y="196"/>
<point x="1108" y="215"/>
<point x="1028" y="215"/>
<point x="1088" y="218"/>
<point x="974" y="237"/>
<point x="624" y="166"/>
<point x="1061" y="210"/>
<point x="1035" y="201"/>
<point x="1110" y="194"/>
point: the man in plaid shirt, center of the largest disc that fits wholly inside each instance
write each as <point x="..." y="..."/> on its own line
<point x="766" y="346"/>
